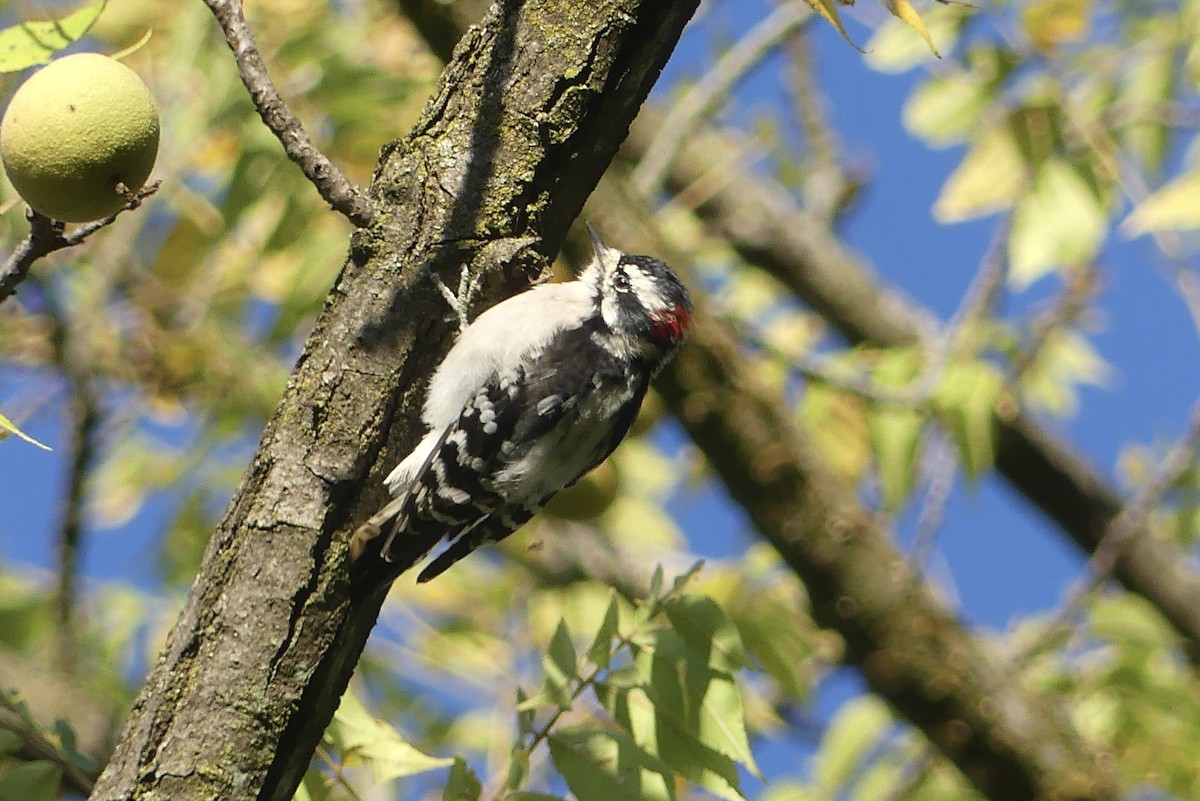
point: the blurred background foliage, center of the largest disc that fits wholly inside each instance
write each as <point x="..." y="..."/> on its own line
<point x="178" y="326"/>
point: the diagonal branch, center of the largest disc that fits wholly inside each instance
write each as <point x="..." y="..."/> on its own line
<point x="1008" y="741"/>
<point x="345" y="198"/>
<point x="766" y="228"/>
<point x="514" y="138"/>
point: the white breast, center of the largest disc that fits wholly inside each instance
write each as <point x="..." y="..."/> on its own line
<point x="508" y="334"/>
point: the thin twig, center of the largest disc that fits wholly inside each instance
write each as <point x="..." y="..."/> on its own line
<point x="980" y="299"/>
<point x="810" y="105"/>
<point x="824" y="370"/>
<point x="85" y="419"/>
<point x="338" y="771"/>
<point x="1073" y="300"/>
<point x="1125" y="525"/>
<point x="35" y="746"/>
<point x="85" y="415"/>
<point x="941" y="464"/>
<point x="345" y="198"/>
<point x="46" y="236"/>
<point x="728" y="70"/>
<point x="827" y="188"/>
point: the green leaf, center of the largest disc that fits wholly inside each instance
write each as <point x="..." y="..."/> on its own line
<point x="359" y="736"/>
<point x="607" y="765"/>
<point x="560" y="664"/>
<point x="707" y="632"/>
<point x="1130" y="621"/>
<point x="525" y="795"/>
<point x="30" y="43"/>
<point x="8" y="427"/>
<point x="1065" y="359"/>
<point x="1059" y="221"/>
<point x="601" y="651"/>
<point x="656" y="583"/>
<point x="683" y="579"/>
<point x="1174" y="207"/>
<point x="966" y="401"/>
<point x="896" y="440"/>
<point x="314" y="787"/>
<point x="835" y="422"/>
<point x="701" y="702"/>
<point x="518" y="766"/>
<point x="30" y="781"/>
<point x="1148" y="84"/>
<point x="665" y="738"/>
<point x="61" y="733"/>
<point x="9" y="741"/>
<point x="463" y="784"/>
<point x="526" y="709"/>
<point x="858" y="725"/>
<point x="896" y="430"/>
<point x="1052" y="23"/>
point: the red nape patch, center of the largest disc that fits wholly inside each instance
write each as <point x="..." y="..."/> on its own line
<point x="671" y="325"/>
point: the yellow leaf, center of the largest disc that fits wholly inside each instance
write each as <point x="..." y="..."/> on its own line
<point x="1065" y="360"/>
<point x="988" y="180"/>
<point x="1050" y="23"/>
<point x="828" y="10"/>
<point x="1174" y="207"/>
<point x="902" y="10"/>
<point x="893" y="47"/>
<point x="8" y="427"/>
<point x="1058" y="221"/>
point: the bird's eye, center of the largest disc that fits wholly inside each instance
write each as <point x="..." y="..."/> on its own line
<point x="621" y="282"/>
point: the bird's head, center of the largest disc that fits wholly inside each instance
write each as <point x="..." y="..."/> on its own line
<point x="639" y="297"/>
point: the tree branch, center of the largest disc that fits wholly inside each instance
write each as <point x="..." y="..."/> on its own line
<point x="763" y="225"/>
<point x="911" y="650"/>
<point x="345" y="198"/>
<point x="1132" y="518"/>
<point x="1009" y="742"/>
<point x="512" y="142"/>
<point x="46" y="236"/>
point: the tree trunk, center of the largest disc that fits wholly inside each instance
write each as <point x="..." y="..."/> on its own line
<point x="507" y="150"/>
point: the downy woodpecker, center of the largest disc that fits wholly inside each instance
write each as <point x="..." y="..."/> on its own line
<point x="536" y="392"/>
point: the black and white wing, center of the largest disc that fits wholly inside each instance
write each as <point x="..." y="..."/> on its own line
<point x="515" y="444"/>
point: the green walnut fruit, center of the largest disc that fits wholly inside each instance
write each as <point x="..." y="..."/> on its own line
<point x="80" y="134"/>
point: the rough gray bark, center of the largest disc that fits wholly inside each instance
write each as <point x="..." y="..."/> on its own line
<point x="515" y="137"/>
<point x="1009" y="741"/>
